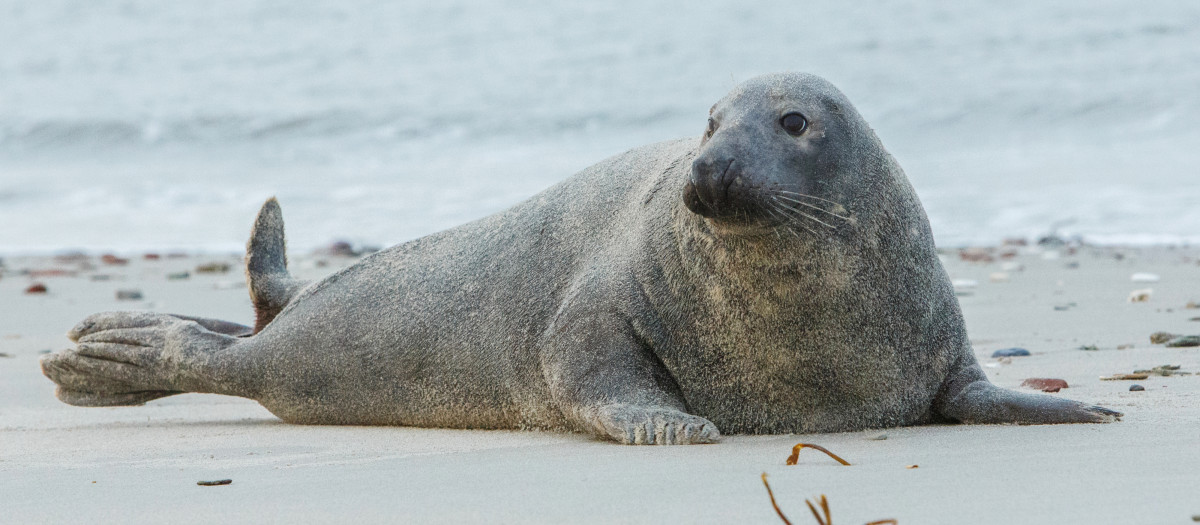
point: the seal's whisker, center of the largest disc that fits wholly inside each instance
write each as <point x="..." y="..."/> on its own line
<point x="818" y="208"/>
<point x="806" y="216"/>
<point x="805" y="195"/>
<point x="778" y="206"/>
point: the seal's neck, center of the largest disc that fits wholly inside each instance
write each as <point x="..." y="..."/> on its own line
<point x="760" y="266"/>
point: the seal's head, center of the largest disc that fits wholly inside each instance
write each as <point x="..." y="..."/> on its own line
<point x="778" y="148"/>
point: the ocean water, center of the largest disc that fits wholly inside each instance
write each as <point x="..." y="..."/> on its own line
<point x="138" y="125"/>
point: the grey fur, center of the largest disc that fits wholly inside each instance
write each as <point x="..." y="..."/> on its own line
<point x="752" y="282"/>
<point x="271" y="286"/>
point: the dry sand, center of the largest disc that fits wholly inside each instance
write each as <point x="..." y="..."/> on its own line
<point x="140" y="465"/>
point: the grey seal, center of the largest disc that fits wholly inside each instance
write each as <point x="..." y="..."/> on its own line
<point x="776" y="276"/>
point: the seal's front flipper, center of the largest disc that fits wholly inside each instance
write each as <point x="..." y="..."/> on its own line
<point x="271" y="286"/>
<point x="970" y="398"/>
<point x="128" y="358"/>
<point x="607" y="381"/>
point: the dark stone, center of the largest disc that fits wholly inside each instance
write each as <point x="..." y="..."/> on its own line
<point x="1184" y="341"/>
<point x="1010" y="352"/>
<point x="129" y="295"/>
<point x="1136" y="388"/>
<point x="36" y="288"/>
<point x="214" y="483"/>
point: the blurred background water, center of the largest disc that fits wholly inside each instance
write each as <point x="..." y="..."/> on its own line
<point x="157" y="125"/>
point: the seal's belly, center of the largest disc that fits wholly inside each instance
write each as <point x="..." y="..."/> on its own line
<point x="759" y="387"/>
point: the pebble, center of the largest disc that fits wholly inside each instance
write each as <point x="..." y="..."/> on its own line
<point x="1158" y="338"/>
<point x="113" y="260"/>
<point x="1184" y="341"/>
<point x="1136" y="388"/>
<point x="129" y="295"/>
<point x="2" y="354"/>
<point x="1141" y="296"/>
<point x="151" y="256"/>
<point x="214" y="482"/>
<point x="36" y="288"/>
<point x="1089" y="348"/>
<point x="976" y="255"/>
<point x="879" y="436"/>
<point x="1044" y="384"/>
<point x="178" y="276"/>
<point x="216" y="267"/>
<point x="1010" y="352"/>
<point x="1144" y="278"/>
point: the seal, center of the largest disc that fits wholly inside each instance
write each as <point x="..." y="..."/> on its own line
<point x="776" y="276"/>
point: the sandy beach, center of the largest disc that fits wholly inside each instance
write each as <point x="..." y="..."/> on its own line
<point x="62" y="464"/>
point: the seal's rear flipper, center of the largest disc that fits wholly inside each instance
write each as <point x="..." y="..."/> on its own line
<point x="970" y="398"/>
<point x="271" y="286"/>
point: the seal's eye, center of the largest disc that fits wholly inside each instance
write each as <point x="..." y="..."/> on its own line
<point x="793" y="123"/>
<point x="712" y="128"/>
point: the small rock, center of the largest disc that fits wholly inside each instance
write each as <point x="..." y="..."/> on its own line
<point x="178" y="276"/>
<point x="216" y="267"/>
<point x="910" y="467"/>
<point x="975" y="255"/>
<point x="71" y="258"/>
<point x="1089" y="348"/>
<point x="214" y="483"/>
<point x="1044" y="384"/>
<point x="1158" y="338"/>
<point x="36" y="288"/>
<point x="877" y="436"/>
<point x="1136" y="388"/>
<point x="1194" y="319"/>
<point x="52" y="272"/>
<point x="129" y="295"/>
<point x="1144" y="278"/>
<point x="1010" y="352"/>
<point x="339" y="249"/>
<point x="2" y="355"/>
<point x="1124" y="346"/>
<point x="113" y="260"/>
<point x="101" y="277"/>
<point x="1184" y="341"/>
<point x="46" y="351"/>
<point x="152" y="257"/>
<point x="1141" y="296"/>
<point x="1192" y="305"/>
